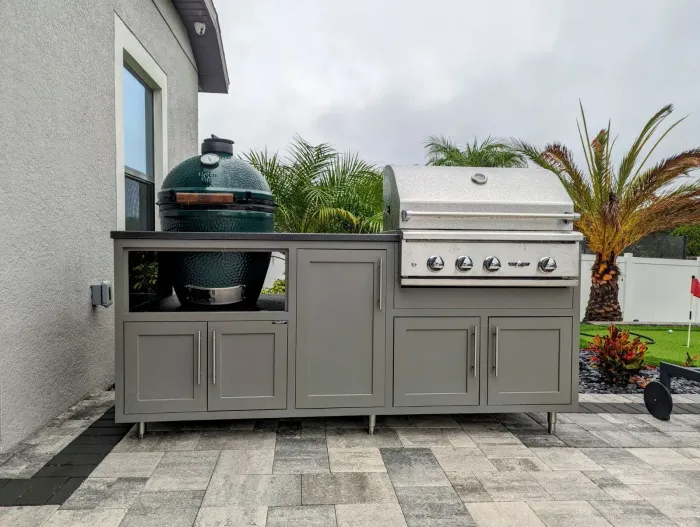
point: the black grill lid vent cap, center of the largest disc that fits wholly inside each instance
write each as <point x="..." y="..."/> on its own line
<point x="217" y="145"/>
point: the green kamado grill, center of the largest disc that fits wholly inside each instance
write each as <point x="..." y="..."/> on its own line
<point x="216" y="192"/>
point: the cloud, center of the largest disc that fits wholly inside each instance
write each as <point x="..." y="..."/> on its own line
<point x="379" y="77"/>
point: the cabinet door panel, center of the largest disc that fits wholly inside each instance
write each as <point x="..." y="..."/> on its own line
<point x="435" y="361"/>
<point x="163" y="367"/>
<point x="530" y="360"/>
<point x="248" y="366"/>
<point x="340" y="328"/>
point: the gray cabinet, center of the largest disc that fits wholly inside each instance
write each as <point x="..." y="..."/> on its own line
<point x="529" y="360"/>
<point x="247" y="366"/>
<point x="164" y="367"/>
<point x="436" y="361"/>
<point x="340" y="343"/>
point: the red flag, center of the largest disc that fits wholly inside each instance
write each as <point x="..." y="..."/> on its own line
<point x="695" y="287"/>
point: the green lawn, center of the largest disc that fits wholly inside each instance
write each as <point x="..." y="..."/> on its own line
<point x="669" y="347"/>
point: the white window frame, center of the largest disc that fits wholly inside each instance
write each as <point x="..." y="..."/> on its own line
<point x="128" y="50"/>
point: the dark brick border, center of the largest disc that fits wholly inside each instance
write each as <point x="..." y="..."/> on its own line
<point x="54" y="483"/>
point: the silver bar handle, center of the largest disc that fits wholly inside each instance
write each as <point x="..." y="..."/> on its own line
<point x="381" y="284"/>
<point x="199" y="357"/>
<point x="213" y="376"/>
<point x="495" y="358"/>
<point x="476" y="351"/>
<point x="566" y="216"/>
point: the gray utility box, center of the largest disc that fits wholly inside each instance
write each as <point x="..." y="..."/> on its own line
<point x="346" y="339"/>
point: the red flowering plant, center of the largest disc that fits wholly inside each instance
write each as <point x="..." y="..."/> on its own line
<point x="616" y="356"/>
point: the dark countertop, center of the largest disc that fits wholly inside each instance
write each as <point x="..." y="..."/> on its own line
<point x="265" y="236"/>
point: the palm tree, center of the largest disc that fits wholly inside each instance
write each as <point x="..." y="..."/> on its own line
<point x="620" y="205"/>
<point x="318" y="189"/>
<point x="490" y="152"/>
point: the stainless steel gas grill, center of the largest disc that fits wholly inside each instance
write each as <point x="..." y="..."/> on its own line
<point x="494" y="227"/>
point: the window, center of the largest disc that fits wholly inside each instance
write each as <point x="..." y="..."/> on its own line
<point x="141" y="126"/>
<point x="139" y="190"/>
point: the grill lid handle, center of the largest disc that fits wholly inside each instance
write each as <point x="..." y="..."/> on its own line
<point x="566" y="216"/>
<point x="218" y="145"/>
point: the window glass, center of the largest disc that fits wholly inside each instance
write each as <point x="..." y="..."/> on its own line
<point x="138" y="125"/>
<point x="139" y="205"/>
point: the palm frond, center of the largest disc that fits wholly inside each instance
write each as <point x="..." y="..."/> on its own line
<point x="325" y="217"/>
<point x="600" y="147"/>
<point x="372" y="224"/>
<point x="577" y="184"/>
<point x="629" y="161"/>
<point x="318" y="189"/>
<point x="558" y="159"/>
<point x="441" y="151"/>
<point x="651" y="150"/>
<point x="585" y="141"/>
<point x="619" y="208"/>
<point x="644" y="186"/>
<point x="490" y="152"/>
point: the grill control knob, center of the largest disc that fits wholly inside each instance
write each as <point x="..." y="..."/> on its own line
<point x="436" y="263"/>
<point x="464" y="263"/>
<point x="548" y="264"/>
<point x="492" y="264"/>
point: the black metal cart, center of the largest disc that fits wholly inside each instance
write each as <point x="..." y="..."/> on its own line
<point x="657" y="394"/>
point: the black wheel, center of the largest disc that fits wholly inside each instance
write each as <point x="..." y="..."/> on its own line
<point x="658" y="400"/>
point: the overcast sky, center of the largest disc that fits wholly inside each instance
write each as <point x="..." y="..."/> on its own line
<point x="379" y="76"/>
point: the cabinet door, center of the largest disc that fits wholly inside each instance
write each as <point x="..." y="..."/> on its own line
<point x="247" y="366"/>
<point x="340" y="328"/>
<point x="164" y="367"/>
<point x="529" y="360"/>
<point x="436" y="361"/>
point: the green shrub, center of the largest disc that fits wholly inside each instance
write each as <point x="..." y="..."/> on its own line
<point x="144" y="271"/>
<point x="692" y="234"/>
<point x="279" y="287"/>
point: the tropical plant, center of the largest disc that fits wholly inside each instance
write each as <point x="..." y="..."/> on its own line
<point x="620" y="205"/>
<point x="616" y="356"/>
<point x="491" y="152"/>
<point x="318" y="189"/>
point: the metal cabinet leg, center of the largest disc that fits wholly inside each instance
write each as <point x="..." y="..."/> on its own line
<point x="372" y="423"/>
<point x="142" y="429"/>
<point x="552" y="422"/>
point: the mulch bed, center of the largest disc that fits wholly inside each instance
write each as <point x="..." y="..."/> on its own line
<point x="590" y="380"/>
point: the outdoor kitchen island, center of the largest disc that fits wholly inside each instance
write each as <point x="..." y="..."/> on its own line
<point x="346" y="338"/>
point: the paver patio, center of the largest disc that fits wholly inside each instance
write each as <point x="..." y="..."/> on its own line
<point x="621" y="469"/>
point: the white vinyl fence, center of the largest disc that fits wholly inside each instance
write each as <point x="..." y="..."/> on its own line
<point x="653" y="290"/>
<point x="276" y="269"/>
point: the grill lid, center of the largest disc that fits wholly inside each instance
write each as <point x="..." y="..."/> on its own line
<point x="469" y="198"/>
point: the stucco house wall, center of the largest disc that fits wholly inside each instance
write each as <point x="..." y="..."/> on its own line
<point x="58" y="200"/>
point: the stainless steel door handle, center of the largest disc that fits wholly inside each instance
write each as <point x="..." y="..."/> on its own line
<point x="213" y="339"/>
<point x="199" y="357"/>
<point x="495" y="358"/>
<point x="476" y="351"/>
<point x="381" y="284"/>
